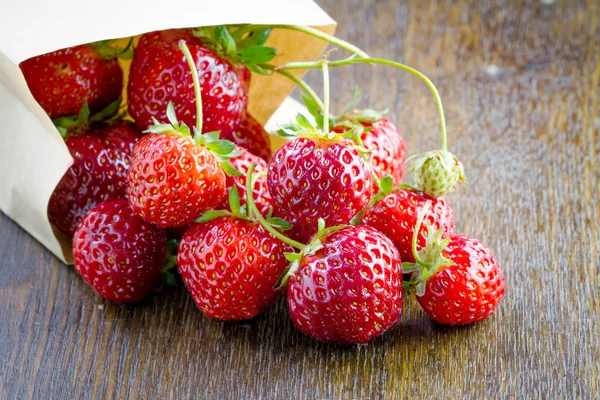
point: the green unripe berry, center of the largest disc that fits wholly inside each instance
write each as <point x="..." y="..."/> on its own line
<point x="437" y="172"/>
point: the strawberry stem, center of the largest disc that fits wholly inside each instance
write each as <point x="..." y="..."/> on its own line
<point x="415" y="236"/>
<point x="303" y="85"/>
<point x="197" y="92"/>
<point x="261" y="220"/>
<point x="324" y="67"/>
<point x="369" y="60"/>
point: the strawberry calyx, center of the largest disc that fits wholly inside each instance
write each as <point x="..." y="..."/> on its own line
<point x="437" y="172"/>
<point x="429" y="259"/>
<point x="109" y="50"/>
<point x="243" y="45"/>
<point x="74" y="125"/>
<point x="223" y="150"/>
<point x="166" y="274"/>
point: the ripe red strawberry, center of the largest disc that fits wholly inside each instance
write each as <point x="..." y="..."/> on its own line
<point x="101" y="159"/>
<point x="63" y="80"/>
<point x="172" y="181"/>
<point x="388" y="150"/>
<point x="230" y="266"/>
<point x="467" y="286"/>
<point x="261" y="194"/>
<point x="117" y="253"/>
<point x="310" y="178"/>
<point x="252" y="136"/>
<point x="350" y="289"/>
<point x="160" y="75"/>
<point x="395" y="215"/>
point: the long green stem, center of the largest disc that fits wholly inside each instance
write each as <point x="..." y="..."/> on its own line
<point x="369" y="60"/>
<point x="316" y="33"/>
<point x="416" y="234"/>
<point x="255" y="179"/>
<point x="324" y="66"/>
<point x="197" y="92"/>
<point x="254" y="210"/>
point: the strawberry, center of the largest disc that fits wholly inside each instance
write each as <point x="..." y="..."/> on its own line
<point x="63" y="80"/>
<point x="101" y="160"/>
<point x="463" y="284"/>
<point x="252" y="136"/>
<point x="230" y="266"/>
<point x="318" y="173"/>
<point x="160" y="75"/>
<point x="395" y="215"/>
<point x="347" y="287"/>
<point x="175" y="177"/>
<point x="437" y="172"/>
<point x="117" y="253"/>
<point x="261" y="194"/>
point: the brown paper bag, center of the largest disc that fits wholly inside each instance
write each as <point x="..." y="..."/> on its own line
<point x="33" y="156"/>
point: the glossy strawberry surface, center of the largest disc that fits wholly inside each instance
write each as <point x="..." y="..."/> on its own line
<point x="388" y="149"/>
<point x="350" y="290"/>
<point x="160" y="74"/>
<point x="230" y="266"/>
<point x="61" y="81"/>
<point x="117" y="253"/>
<point x="172" y="181"/>
<point x="101" y="159"/>
<point x="468" y="291"/>
<point x="396" y="216"/>
<point x="315" y="178"/>
<point x="252" y="136"/>
<point x="260" y="193"/>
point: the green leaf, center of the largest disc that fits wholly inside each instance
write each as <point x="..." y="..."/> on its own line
<point x="279" y="223"/>
<point x="225" y="40"/>
<point x="258" y="54"/>
<point x="320" y="227"/>
<point x="234" y="200"/>
<point x="236" y="153"/>
<point x="221" y="147"/>
<point x="168" y="278"/>
<point x="107" y="112"/>
<point x="304" y="122"/>
<point x="172" y="245"/>
<point x="291" y="257"/>
<point x="286" y="132"/>
<point x="387" y="184"/>
<point x="257" y="37"/>
<point x="171" y="114"/>
<point x="127" y="54"/>
<point x="84" y="113"/>
<point x="211" y="136"/>
<point x="210" y="215"/>
<point x="230" y="169"/>
<point x="160" y="128"/>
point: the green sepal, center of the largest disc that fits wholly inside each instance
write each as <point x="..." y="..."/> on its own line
<point x="234" y="200"/>
<point x="229" y="168"/>
<point x="78" y="124"/>
<point x="108" y="51"/>
<point x="168" y="278"/>
<point x="386" y="184"/>
<point x="291" y="257"/>
<point x="256" y="37"/>
<point x="210" y="215"/>
<point x="220" y="147"/>
<point x="279" y="223"/>
<point x="224" y="40"/>
<point x="257" y="54"/>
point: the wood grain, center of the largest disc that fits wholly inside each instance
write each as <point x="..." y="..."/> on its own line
<point x="521" y="84"/>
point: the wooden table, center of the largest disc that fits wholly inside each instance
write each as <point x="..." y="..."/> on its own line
<point x="521" y="85"/>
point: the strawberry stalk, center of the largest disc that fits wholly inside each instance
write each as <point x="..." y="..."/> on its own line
<point x="197" y="92"/>
<point x="325" y="68"/>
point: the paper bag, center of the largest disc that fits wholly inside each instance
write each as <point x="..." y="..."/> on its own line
<point x="33" y="156"/>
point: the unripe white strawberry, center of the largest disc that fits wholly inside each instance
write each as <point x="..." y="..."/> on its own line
<point x="437" y="172"/>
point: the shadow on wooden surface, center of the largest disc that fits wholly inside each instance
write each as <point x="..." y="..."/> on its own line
<point x="520" y="83"/>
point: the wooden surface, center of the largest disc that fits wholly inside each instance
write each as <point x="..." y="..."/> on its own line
<point x="521" y="84"/>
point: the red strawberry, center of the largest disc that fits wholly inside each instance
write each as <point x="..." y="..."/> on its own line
<point x="252" y="136"/>
<point x="465" y="287"/>
<point x="230" y="266"/>
<point x="388" y="150"/>
<point x="261" y="194"/>
<point x="160" y="75"/>
<point x="396" y="215"/>
<point x="172" y="181"/>
<point x="350" y="289"/>
<point x="63" y="80"/>
<point x="101" y="159"/>
<point x="117" y="253"/>
<point x="312" y="177"/>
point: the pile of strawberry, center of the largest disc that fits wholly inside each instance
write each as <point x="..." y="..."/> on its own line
<point x="191" y="186"/>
